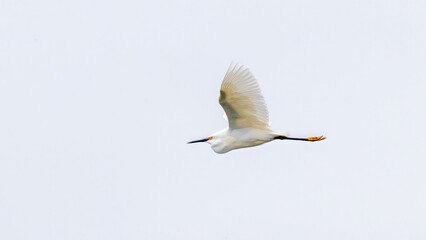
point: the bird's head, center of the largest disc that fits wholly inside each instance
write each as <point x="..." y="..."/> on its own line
<point x="208" y="140"/>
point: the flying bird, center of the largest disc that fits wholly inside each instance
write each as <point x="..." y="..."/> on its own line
<point x="247" y="115"/>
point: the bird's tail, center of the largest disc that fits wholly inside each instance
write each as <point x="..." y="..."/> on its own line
<point x="282" y="134"/>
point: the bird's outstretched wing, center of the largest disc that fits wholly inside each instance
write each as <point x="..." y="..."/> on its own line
<point x="242" y="100"/>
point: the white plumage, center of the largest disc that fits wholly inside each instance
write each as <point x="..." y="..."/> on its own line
<point x="242" y="100"/>
<point x="247" y="115"/>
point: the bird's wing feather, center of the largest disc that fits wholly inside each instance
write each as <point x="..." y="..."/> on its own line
<point x="242" y="100"/>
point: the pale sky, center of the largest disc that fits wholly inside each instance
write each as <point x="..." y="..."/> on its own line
<point x="98" y="100"/>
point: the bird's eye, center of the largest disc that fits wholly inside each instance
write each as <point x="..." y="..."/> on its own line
<point x="210" y="138"/>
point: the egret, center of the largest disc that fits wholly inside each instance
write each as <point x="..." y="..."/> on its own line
<point x="246" y="112"/>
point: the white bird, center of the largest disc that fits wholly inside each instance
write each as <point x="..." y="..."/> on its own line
<point x="246" y="112"/>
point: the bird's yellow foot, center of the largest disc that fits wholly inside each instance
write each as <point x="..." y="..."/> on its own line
<point x="313" y="139"/>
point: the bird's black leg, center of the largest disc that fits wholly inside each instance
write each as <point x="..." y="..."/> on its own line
<point x="289" y="138"/>
<point x="280" y="137"/>
<point x="311" y="139"/>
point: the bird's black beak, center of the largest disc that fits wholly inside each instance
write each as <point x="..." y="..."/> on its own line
<point x="201" y="140"/>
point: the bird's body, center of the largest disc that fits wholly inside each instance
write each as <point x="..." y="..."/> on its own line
<point x="246" y="112"/>
<point x="230" y="139"/>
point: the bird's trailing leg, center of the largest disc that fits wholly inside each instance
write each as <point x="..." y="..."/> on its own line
<point x="314" y="139"/>
<point x="310" y="139"/>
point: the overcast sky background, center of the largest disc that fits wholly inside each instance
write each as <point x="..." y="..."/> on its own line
<point x="98" y="100"/>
